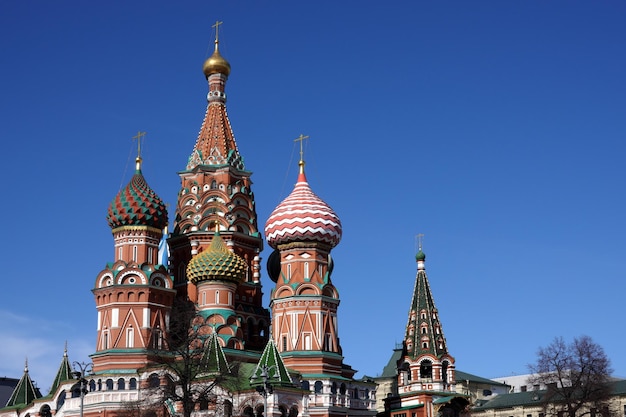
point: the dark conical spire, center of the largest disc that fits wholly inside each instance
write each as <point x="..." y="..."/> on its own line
<point x="271" y="367"/>
<point x="424" y="334"/>
<point x="63" y="374"/>
<point x="213" y="357"/>
<point x="25" y="391"/>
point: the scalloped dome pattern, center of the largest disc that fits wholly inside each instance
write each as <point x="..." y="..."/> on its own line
<point x="137" y="205"/>
<point x="217" y="263"/>
<point x="303" y="216"/>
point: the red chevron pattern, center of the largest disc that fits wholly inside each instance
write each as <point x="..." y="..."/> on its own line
<point x="303" y="216"/>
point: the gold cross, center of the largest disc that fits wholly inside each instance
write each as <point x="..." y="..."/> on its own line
<point x="139" y="135"/>
<point x="217" y="27"/>
<point x="301" y="139"/>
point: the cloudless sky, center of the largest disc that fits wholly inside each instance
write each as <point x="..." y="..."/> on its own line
<point x="495" y="128"/>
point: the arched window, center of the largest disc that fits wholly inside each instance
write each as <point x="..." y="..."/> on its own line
<point x="283" y="410"/>
<point x="60" y="400"/>
<point x="293" y="411"/>
<point x="342" y="389"/>
<point x="135" y="253"/>
<point x="217" y="297"/>
<point x="153" y="381"/>
<point x="132" y="384"/>
<point x="92" y="385"/>
<point x="44" y="411"/>
<point x="121" y="384"/>
<point x="109" y="384"/>
<point x="305" y="385"/>
<point x="228" y="408"/>
<point x="444" y="372"/>
<point x="248" y="412"/>
<point x="333" y="388"/>
<point x="318" y="387"/>
<point x="426" y="369"/>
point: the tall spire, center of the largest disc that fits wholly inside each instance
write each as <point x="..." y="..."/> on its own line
<point x="25" y="391"/>
<point x="216" y="142"/>
<point x="424" y="334"/>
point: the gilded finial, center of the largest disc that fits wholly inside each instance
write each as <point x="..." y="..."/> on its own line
<point x="301" y="139"/>
<point x="217" y="226"/>
<point x="138" y="136"/>
<point x="216" y="64"/>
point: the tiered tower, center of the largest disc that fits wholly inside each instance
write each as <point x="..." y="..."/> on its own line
<point x="216" y="188"/>
<point x="134" y="294"/>
<point x="425" y="368"/>
<point x="303" y="229"/>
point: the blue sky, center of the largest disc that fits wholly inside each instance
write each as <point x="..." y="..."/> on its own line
<point x="495" y="128"/>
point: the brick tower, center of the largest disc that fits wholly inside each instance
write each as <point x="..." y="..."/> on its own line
<point x="216" y="188"/>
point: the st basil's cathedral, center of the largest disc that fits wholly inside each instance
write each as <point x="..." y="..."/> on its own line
<point x="187" y="334"/>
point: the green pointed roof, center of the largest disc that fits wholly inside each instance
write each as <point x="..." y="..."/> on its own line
<point x="63" y="374"/>
<point x="25" y="391"/>
<point x="272" y="364"/>
<point x="213" y="358"/>
<point x="424" y="333"/>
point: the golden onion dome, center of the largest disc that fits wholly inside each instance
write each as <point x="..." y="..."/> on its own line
<point x="216" y="64"/>
<point x="217" y="263"/>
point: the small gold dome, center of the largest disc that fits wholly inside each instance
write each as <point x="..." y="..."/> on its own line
<point x="216" y="64"/>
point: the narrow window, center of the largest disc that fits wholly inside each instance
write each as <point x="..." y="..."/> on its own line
<point x="307" y="342"/>
<point x="217" y="297"/>
<point x="288" y="271"/>
<point x="320" y="271"/>
<point x="119" y="253"/>
<point x="150" y="253"/>
<point x="105" y="339"/>
<point x="135" y="253"/>
<point x="130" y="337"/>
<point x="284" y="343"/>
<point x="306" y="270"/>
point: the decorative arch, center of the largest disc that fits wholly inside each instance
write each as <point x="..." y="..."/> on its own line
<point x="308" y="289"/>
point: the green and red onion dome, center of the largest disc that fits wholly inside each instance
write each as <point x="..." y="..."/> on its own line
<point x="137" y="205"/>
<point x="217" y="263"/>
<point x="303" y="217"/>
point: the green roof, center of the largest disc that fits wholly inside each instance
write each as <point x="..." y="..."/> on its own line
<point x="271" y="367"/>
<point x="464" y="376"/>
<point x="213" y="357"/>
<point x="63" y="374"/>
<point x="25" y="391"/>
<point x="534" y="397"/>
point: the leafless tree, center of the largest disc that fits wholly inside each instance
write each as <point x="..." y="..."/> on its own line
<point x="191" y="378"/>
<point x="576" y="377"/>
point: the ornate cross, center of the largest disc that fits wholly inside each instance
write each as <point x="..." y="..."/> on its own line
<point x="301" y="139"/>
<point x="139" y="135"/>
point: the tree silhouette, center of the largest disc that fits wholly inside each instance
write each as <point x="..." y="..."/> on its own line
<point x="576" y="377"/>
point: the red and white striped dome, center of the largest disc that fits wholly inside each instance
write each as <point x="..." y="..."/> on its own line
<point x="303" y="216"/>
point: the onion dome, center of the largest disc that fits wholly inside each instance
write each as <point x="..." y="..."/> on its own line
<point x="217" y="262"/>
<point x="137" y="205"/>
<point x="303" y="216"/>
<point x="216" y="64"/>
<point x="421" y="256"/>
